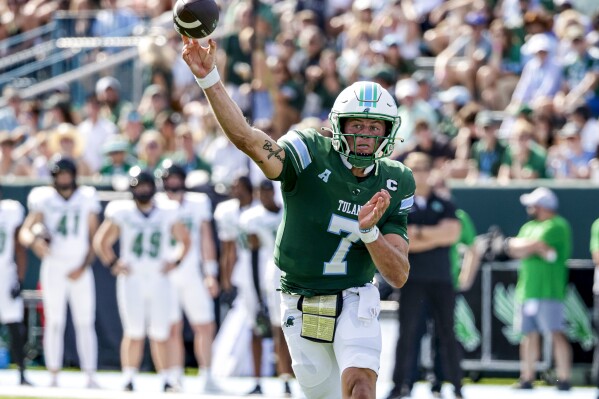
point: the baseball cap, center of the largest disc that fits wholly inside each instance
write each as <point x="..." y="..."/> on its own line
<point x="569" y="130"/>
<point x="484" y="118"/>
<point x="538" y="42"/>
<point x="455" y="94"/>
<point x="107" y="82"/>
<point x="406" y="87"/>
<point x="542" y="197"/>
<point x="115" y="145"/>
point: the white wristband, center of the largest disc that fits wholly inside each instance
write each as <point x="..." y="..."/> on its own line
<point x="369" y="235"/>
<point x="209" y="80"/>
<point x="210" y="267"/>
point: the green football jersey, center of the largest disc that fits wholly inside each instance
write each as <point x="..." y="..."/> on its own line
<point x="318" y="247"/>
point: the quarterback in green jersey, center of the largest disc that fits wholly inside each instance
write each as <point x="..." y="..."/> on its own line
<point x="345" y="216"/>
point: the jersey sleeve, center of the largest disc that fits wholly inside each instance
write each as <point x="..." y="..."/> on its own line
<point x="204" y="209"/>
<point x="113" y="211"/>
<point x="91" y="197"/>
<point x="468" y="234"/>
<point x="36" y="199"/>
<point x="248" y="223"/>
<point x="595" y="236"/>
<point x="16" y="212"/>
<point x="227" y="228"/>
<point x="297" y="157"/>
<point x="397" y="223"/>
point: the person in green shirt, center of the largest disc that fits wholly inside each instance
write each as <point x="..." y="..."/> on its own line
<point x="544" y="244"/>
<point x="345" y="216"/>
<point x="595" y="255"/>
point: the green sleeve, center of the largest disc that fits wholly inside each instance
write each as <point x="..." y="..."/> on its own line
<point x="468" y="234"/>
<point x="595" y="236"/>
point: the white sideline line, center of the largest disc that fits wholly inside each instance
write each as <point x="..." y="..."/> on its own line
<point x="148" y="386"/>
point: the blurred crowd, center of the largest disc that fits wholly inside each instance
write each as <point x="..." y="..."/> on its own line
<point x="490" y="90"/>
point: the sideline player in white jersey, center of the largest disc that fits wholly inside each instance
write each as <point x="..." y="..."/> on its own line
<point x="259" y="224"/>
<point x="11" y="279"/>
<point x="145" y="228"/>
<point x="195" y="283"/>
<point x="61" y="223"/>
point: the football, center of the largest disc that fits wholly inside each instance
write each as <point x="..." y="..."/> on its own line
<point x="195" y="18"/>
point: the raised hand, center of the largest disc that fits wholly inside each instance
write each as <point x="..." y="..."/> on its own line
<point x="372" y="211"/>
<point x="200" y="59"/>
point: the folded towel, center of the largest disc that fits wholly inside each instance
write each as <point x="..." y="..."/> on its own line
<point x="370" y="302"/>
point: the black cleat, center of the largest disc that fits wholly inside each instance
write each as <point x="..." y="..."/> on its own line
<point x="523" y="385"/>
<point x="129" y="387"/>
<point x="563" y="386"/>
<point x="286" y="390"/>
<point x="25" y="383"/>
<point x="256" y="391"/>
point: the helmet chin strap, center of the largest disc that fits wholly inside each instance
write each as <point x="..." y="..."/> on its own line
<point x="349" y="165"/>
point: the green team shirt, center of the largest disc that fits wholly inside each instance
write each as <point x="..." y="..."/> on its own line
<point x="467" y="237"/>
<point x="318" y="247"/>
<point x="595" y="236"/>
<point x="538" y="278"/>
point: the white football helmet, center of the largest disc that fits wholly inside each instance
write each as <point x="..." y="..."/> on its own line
<point x="366" y="100"/>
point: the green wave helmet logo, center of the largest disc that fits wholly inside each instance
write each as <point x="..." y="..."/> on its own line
<point x="579" y="326"/>
<point x="464" y="327"/>
<point x="503" y="309"/>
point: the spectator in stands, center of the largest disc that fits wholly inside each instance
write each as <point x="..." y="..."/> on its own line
<point x="588" y="125"/>
<point x="580" y="74"/>
<point x="427" y="141"/>
<point x="117" y="161"/>
<point x="10" y="166"/>
<point x="41" y="154"/>
<point x="487" y="153"/>
<point x="460" y="61"/>
<point x="541" y="77"/>
<point x="323" y="85"/>
<point x="66" y="141"/>
<point x="166" y="124"/>
<point x="94" y="130"/>
<point x="567" y="159"/>
<point x="154" y="100"/>
<point x="288" y="97"/>
<point x="411" y="109"/>
<point x="466" y="136"/>
<point x="524" y="159"/>
<point x="497" y="79"/>
<point x="432" y="228"/>
<point x="57" y="110"/>
<point x="9" y="116"/>
<point x="131" y="128"/>
<point x="108" y="92"/>
<point x="544" y="245"/>
<point x="186" y="155"/>
<point x="452" y="101"/>
<point x="150" y="150"/>
<point x="29" y="118"/>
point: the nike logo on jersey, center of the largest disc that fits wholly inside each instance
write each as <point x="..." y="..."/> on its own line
<point x="349" y="208"/>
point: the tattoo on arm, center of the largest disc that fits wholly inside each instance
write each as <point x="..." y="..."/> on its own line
<point x="272" y="152"/>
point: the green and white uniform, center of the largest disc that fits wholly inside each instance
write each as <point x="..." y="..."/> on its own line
<point x="319" y="252"/>
<point x="144" y="294"/>
<point x="318" y="246"/>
